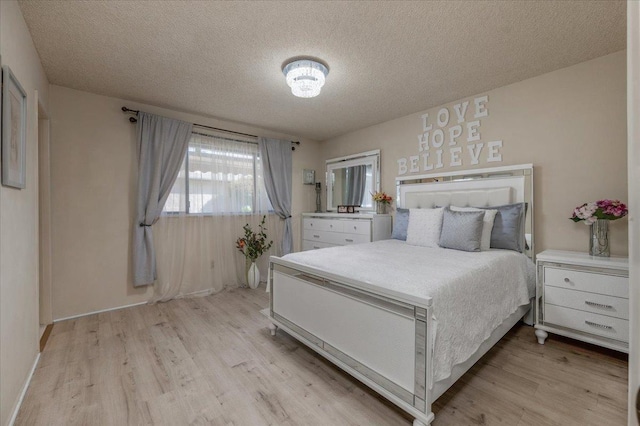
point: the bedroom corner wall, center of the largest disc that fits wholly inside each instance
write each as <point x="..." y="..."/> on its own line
<point x="19" y="305"/>
<point x="93" y="172"/>
<point x="570" y="123"/>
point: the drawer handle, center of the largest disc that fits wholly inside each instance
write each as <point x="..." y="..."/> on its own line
<point x="349" y="240"/>
<point x="316" y="247"/>
<point x="598" y="305"/>
<point x="330" y="226"/>
<point x="595" y="324"/>
<point x="316" y="236"/>
<point x="567" y="280"/>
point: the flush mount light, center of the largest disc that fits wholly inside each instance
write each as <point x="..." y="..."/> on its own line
<point x="305" y="77"/>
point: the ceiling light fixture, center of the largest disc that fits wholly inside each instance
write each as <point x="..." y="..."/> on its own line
<point x="305" y="77"/>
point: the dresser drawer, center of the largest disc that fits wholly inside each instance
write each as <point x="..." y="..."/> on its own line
<point x="353" y="238"/>
<point x="589" y="302"/>
<point x="587" y="281"/>
<point x="315" y="224"/>
<point x="357" y="227"/>
<point x="315" y="245"/>
<point x="600" y="325"/>
<point x="335" y="238"/>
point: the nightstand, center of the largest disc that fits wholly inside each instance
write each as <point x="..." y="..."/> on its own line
<point x="583" y="297"/>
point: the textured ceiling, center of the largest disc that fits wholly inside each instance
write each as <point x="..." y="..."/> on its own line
<point x="386" y="59"/>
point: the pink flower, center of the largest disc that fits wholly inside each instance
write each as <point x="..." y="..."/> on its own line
<point x="601" y="209"/>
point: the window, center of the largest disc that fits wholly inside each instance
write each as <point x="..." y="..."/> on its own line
<point x="219" y="176"/>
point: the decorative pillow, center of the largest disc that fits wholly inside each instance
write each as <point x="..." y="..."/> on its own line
<point x="487" y="224"/>
<point x="508" y="227"/>
<point x="400" y="224"/>
<point x="462" y="230"/>
<point x="424" y="227"/>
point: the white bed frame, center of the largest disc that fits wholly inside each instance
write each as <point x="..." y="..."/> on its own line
<point x="380" y="336"/>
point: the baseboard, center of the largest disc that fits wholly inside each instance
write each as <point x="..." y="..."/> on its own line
<point x="45" y="336"/>
<point x="195" y="293"/>
<point x="24" y="391"/>
<point x="99" y="312"/>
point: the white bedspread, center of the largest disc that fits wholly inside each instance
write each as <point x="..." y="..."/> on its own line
<point x="472" y="292"/>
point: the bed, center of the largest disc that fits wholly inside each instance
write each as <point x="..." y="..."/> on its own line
<point x="408" y="321"/>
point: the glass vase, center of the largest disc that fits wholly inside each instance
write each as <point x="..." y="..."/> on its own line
<point x="599" y="241"/>
<point x="381" y="208"/>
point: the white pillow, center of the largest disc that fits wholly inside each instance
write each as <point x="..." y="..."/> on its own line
<point x="424" y="227"/>
<point x="487" y="224"/>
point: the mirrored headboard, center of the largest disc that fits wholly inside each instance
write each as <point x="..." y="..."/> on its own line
<point x="352" y="179"/>
<point x="476" y="188"/>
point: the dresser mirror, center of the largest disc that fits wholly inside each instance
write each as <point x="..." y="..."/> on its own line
<point x="352" y="179"/>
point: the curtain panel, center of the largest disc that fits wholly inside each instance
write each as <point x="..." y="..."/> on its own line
<point x="277" y="164"/>
<point x="221" y="187"/>
<point x="197" y="254"/>
<point x="161" y="147"/>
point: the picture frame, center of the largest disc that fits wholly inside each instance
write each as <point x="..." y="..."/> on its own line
<point x="14" y="131"/>
<point x="308" y="177"/>
<point x="347" y="209"/>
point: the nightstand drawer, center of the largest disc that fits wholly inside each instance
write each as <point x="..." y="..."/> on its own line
<point x="600" y="325"/>
<point x="586" y="281"/>
<point x="589" y="302"/>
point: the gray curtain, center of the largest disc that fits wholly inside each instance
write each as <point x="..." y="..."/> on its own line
<point x="277" y="167"/>
<point x="356" y="181"/>
<point x="162" y="145"/>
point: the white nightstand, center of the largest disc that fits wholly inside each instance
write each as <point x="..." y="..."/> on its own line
<point x="583" y="297"/>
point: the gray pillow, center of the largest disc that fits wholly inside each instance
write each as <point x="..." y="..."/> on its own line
<point x="508" y="227"/>
<point x="400" y="224"/>
<point x="461" y="230"/>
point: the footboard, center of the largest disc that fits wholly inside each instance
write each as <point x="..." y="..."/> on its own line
<point x="383" y="340"/>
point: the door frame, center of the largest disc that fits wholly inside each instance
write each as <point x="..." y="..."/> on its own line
<point x="633" y="171"/>
<point x="44" y="218"/>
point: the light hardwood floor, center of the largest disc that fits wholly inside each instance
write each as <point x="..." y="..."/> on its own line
<point x="211" y="360"/>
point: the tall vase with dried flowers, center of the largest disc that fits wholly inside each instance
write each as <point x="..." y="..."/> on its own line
<point x="252" y="246"/>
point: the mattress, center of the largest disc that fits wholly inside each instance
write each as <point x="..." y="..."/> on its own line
<point x="472" y="292"/>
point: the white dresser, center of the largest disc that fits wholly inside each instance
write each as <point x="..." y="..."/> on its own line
<point x="320" y="230"/>
<point x="583" y="297"/>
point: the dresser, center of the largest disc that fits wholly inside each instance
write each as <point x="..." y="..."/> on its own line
<point x="583" y="297"/>
<point x="320" y="230"/>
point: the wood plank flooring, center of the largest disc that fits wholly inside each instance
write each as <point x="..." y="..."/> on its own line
<point x="212" y="361"/>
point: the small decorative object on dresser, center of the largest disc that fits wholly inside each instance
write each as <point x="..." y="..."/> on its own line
<point x="318" y="197"/>
<point x="382" y="200"/>
<point x="597" y="214"/>
<point x="252" y="246"/>
<point x="320" y="230"/>
<point x="583" y="297"/>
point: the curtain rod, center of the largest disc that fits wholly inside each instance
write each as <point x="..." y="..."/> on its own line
<point x="133" y="120"/>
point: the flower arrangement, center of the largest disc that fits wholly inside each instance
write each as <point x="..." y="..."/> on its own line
<point x="382" y="197"/>
<point x="254" y="244"/>
<point x="603" y="209"/>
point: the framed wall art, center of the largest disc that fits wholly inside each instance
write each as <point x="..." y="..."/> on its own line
<point x="14" y="131"/>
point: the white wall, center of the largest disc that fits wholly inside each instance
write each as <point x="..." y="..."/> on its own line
<point x="93" y="175"/>
<point x="19" y="325"/>
<point x="570" y="123"/>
